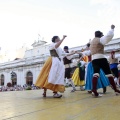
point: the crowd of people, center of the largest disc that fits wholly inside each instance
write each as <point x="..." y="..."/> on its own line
<point x="92" y="68"/>
<point x="18" y="88"/>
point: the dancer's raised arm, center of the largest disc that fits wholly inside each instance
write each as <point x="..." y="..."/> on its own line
<point x="60" y="41"/>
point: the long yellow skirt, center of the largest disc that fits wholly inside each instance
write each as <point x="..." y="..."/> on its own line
<point x="42" y="80"/>
<point x="76" y="78"/>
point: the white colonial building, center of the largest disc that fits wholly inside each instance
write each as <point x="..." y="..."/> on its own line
<point x="25" y="70"/>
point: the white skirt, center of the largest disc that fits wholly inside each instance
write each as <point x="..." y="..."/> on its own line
<point x="57" y="72"/>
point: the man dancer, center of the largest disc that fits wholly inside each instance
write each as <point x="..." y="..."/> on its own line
<point x="99" y="61"/>
<point x="67" y="61"/>
<point x="89" y="72"/>
<point x="113" y="60"/>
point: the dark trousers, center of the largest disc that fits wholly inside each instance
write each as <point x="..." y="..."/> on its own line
<point x="115" y="72"/>
<point x="67" y="73"/>
<point x="101" y="64"/>
<point x="104" y="65"/>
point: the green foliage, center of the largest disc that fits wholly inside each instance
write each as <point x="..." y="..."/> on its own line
<point x="28" y="88"/>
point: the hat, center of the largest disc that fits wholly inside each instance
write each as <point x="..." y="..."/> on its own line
<point x="112" y="52"/>
<point x="65" y="47"/>
<point x="98" y="34"/>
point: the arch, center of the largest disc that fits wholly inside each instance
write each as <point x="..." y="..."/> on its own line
<point x="14" y="78"/>
<point x="2" y="80"/>
<point x="29" y="78"/>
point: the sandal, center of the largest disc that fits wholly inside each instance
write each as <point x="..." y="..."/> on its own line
<point x="89" y="92"/>
<point x="117" y="92"/>
<point x="73" y="90"/>
<point x="56" y="95"/>
<point x="96" y="94"/>
<point x="82" y="89"/>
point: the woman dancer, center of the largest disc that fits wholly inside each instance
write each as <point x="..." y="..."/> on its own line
<point x="79" y="73"/>
<point x="52" y="74"/>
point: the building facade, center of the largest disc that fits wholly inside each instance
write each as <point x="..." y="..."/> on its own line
<point x="25" y="70"/>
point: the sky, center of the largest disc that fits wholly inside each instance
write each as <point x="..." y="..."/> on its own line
<point x="22" y="20"/>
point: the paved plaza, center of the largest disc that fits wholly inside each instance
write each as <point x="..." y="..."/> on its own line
<point x="30" y="105"/>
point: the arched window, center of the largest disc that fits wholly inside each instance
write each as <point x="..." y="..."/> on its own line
<point x="2" y="79"/>
<point x="14" y="78"/>
<point x="29" y="78"/>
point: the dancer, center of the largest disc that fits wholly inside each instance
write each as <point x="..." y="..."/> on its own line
<point x="74" y="64"/>
<point x="52" y="74"/>
<point x="102" y="81"/>
<point x="87" y="52"/>
<point x="67" y="62"/>
<point x="79" y="73"/>
<point x="99" y="61"/>
<point x="113" y="60"/>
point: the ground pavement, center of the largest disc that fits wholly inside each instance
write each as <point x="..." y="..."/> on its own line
<point x="30" y="105"/>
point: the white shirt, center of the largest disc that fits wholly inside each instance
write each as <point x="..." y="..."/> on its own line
<point x="86" y="53"/>
<point x="74" y="63"/>
<point x="83" y="63"/>
<point x="68" y="57"/>
<point x="107" y="38"/>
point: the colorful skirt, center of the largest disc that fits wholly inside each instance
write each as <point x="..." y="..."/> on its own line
<point x="76" y="77"/>
<point x="42" y="80"/>
<point x="102" y="80"/>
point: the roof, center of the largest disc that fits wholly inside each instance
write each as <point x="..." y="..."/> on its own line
<point x="39" y="43"/>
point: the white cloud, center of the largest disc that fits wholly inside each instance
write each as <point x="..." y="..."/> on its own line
<point x="21" y="21"/>
<point x="107" y="8"/>
<point x="108" y="12"/>
<point x="103" y="2"/>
